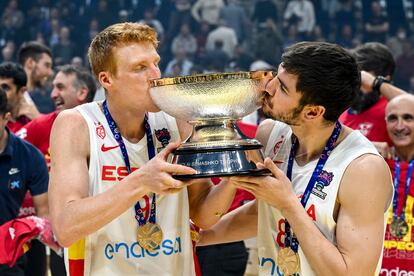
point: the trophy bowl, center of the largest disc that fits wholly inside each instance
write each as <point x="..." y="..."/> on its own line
<point x="212" y="104"/>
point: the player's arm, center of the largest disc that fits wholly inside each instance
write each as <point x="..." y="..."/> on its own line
<point x="364" y="195"/>
<point x="208" y="202"/>
<point x="38" y="183"/>
<point x="386" y="89"/>
<point x="75" y="214"/>
<point x="239" y="224"/>
<point x="40" y="202"/>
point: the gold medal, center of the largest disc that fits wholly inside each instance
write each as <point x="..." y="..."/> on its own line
<point x="149" y="236"/>
<point x="398" y="228"/>
<point x="288" y="261"/>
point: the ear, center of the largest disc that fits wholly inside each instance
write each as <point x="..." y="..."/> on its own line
<point x="21" y="91"/>
<point x="82" y="95"/>
<point x="105" y="80"/>
<point x="312" y="112"/>
<point x="7" y="116"/>
<point x="29" y="64"/>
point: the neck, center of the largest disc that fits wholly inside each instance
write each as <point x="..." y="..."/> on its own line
<point x="312" y="140"/>
<point x="30" y="85"/>
<point x="130" y="123"/>
<point x="406" y="154"/>
<point x="3" y="140"/>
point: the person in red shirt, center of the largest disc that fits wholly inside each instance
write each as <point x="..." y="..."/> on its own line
<point x="13" y="80"/>
<point x="368" y="110"/>
<point x="71" y="87"/>
<point x="398" y="256"/>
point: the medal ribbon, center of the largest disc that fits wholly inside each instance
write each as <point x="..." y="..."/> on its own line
<point x="396" y="183"/>
<point x="292" y="242"/>
<point x="139" y="214"/>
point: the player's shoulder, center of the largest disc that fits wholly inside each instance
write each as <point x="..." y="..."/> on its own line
<point x="70" y="121"/>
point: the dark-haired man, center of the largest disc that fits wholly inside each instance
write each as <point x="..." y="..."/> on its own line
<point x="36" y="60"/>
<point x="368" y="110"/>
<point x="336" y="227"/>
<point x="13" y="81"/>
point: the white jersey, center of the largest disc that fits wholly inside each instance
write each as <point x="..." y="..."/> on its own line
<point x="113" y="249"/>
<point x="321" y="203"/>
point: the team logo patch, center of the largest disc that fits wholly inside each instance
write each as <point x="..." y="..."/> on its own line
<point x="163" y="135"/>
<point x="278" y="144"/>
<point x="100" y="130"/>
<point x="15" y="184"/>
<point x="323" y="180"/>
<point x="13" y="171"/>
<point x="365" y="128"/>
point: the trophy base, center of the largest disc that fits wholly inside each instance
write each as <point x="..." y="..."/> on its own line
<point x="219" y="162"/>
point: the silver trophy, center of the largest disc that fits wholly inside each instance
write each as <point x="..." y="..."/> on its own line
<point x="212" y="104"/>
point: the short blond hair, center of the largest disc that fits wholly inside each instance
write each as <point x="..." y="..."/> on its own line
<point x="100" y="52"/>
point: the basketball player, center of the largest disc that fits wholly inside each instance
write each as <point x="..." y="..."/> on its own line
<point x="113" y="199"/>
<point x="323" y="211"/>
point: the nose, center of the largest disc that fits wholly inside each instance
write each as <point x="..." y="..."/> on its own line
<point x="154" y="72"/>
<point x="54" y="94"/>
<point x="270" y="87"/>
<point x="400" y="123"/>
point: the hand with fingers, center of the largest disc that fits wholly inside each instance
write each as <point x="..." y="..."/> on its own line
<point x="276" y="189"/>
<point x="156" y="175"/>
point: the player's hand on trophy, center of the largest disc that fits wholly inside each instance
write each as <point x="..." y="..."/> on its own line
<point x="156" y="175"/>
<point x="276" y="189"/>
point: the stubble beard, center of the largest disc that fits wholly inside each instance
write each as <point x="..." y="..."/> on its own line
<point x="291" y="118"/>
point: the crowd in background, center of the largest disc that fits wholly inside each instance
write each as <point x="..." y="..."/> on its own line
<point x="213" y="35"/>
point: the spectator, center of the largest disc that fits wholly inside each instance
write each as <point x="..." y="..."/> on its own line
<point x="183" y="62"/>
<point x="346" y="37"/>
<point x="202" y="35"/>
<point x="376" y="27"/>
<point x="65" y="49"/>
<point x="185" y="40"/>
<point x="345" y="16"/>
<point x="150" y="20"/>
<point x="207" y="11"/>
<point x="225" y="34"/>
<point x="411" y="88"/>
<point x="264" y="10"/>
<point x="302" y="14"/>
<point x="12" y="21"/>
<point x="367" y="113"/>
<point x="241" y="60"/>
<point x="36" y="60"/>
<point x="396" y="42"/>
<point x="269" y="42"/>
<point x="103" y="14"/>
<point x="8" y="52"/>
<point x="405" y="65"/>
<point x="291" y="37"/>
<point x="13" y="81"/>
<point x="217" y="59"/>
<point x="237" y="19"/>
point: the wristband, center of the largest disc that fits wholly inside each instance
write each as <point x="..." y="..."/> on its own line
<point x="378" y="81"/>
